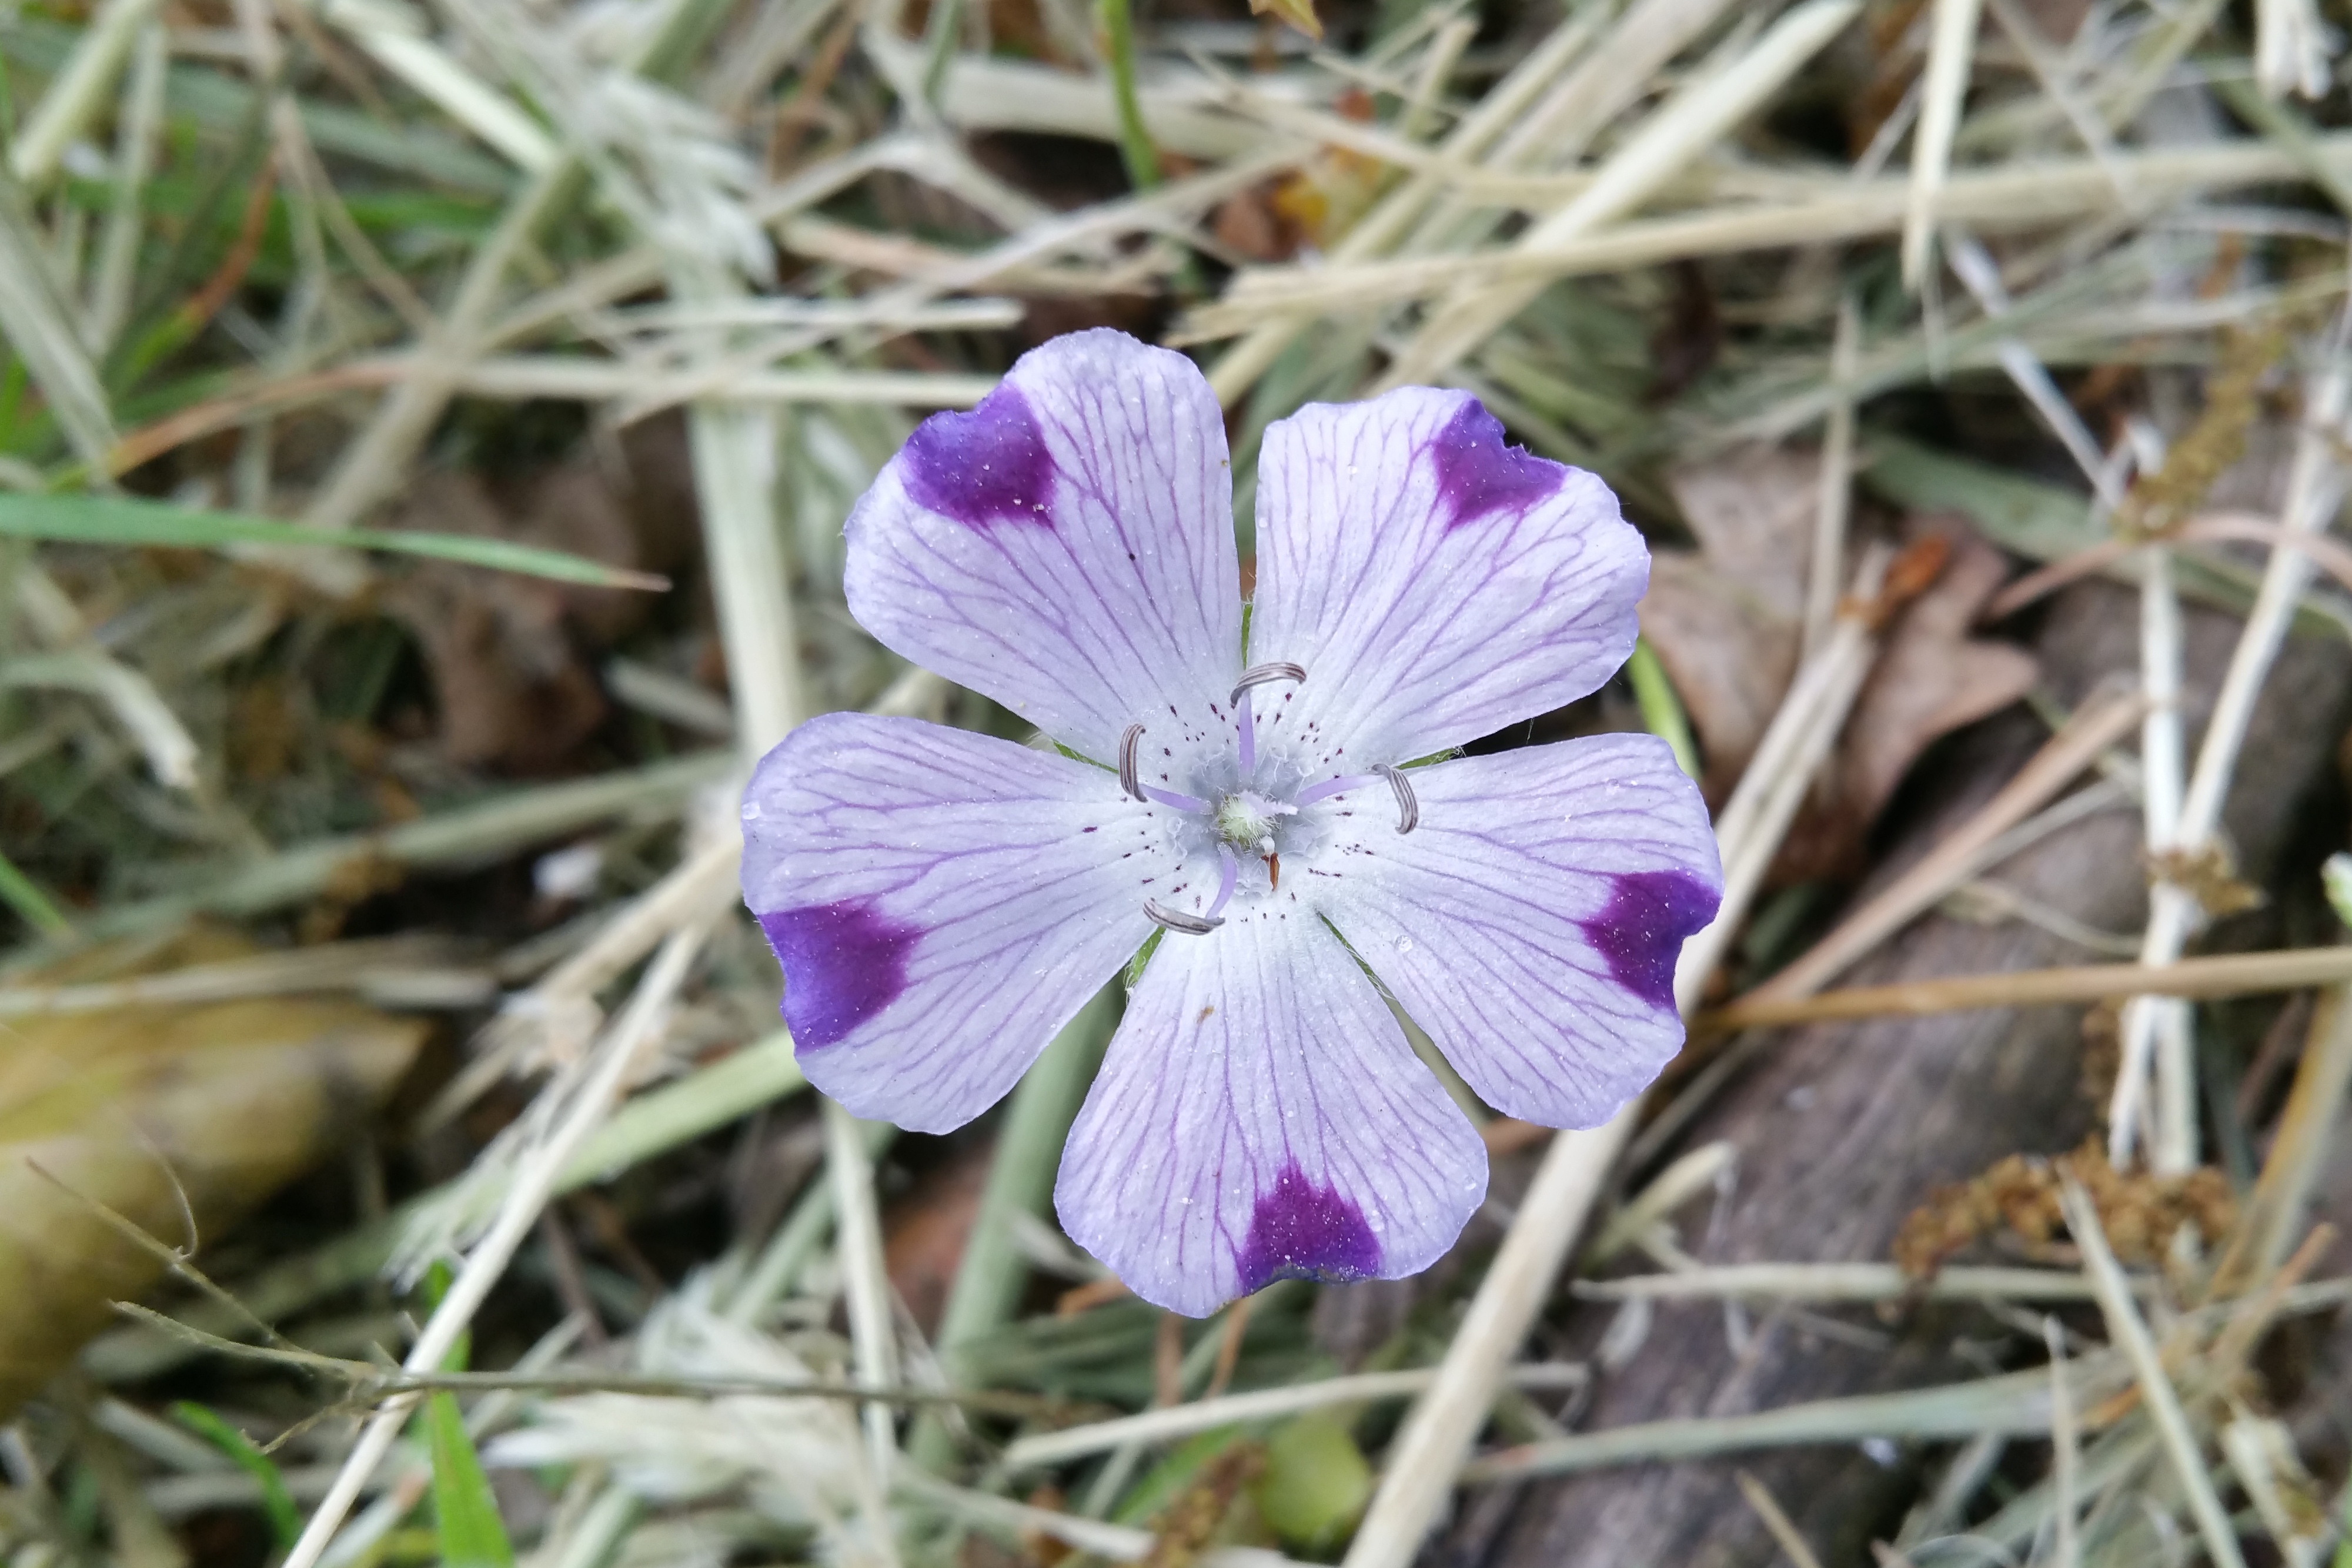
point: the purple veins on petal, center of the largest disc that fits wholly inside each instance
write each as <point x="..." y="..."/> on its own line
<point x="984" y="466"/>
<point x="842" y="964"/>
<point x="1642" y="928"/>
<point x="1301" y="1231"/>
<point x="1478" y="474"/>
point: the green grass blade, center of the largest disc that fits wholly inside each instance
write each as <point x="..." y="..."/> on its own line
<point x="464" y="1514"/>
<point x="285" y="1520"/>
<point x="127" y="520"/>
<point x="1662" y="708"/>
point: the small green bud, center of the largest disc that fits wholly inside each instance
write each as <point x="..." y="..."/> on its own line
<point x="1315" y="1483"/>
<point x="2337" y="877"/>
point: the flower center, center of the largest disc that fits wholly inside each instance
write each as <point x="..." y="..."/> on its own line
<point x="1245" y="820"/>
<point x="1239" y="820"/>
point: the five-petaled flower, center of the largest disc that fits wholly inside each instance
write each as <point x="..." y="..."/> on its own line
<point x="943" y="902"/>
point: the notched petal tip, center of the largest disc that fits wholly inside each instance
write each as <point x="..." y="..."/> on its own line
<point x="988" y="466"/>
<point x="1478" y="474"/>
<point x="1642" y="928"/>
<point x="842" y="964"/>
<point x="1301" y="1231"/>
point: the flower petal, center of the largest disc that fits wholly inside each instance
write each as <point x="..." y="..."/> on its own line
<point x="1260" y="1115"/>
<point x="1531" y="922"/>
<point x="1436" y="584"/>
<point x="1066" y="547"/>
<point x="942" y="902"/>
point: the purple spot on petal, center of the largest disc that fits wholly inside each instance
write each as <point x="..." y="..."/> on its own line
<point x="1642" y="928"/>
<point x="984" y="466"/>
<point x="1301" y="1231"/>
<point x="1477" y="474"/>
<point x="842" y="964"/>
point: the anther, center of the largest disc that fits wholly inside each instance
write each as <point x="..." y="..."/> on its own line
<point x="1129" y="782"/>
<point x="1190" y="924"/>
<point x="1267" y="674"/>
<point x="1407" y="807"/>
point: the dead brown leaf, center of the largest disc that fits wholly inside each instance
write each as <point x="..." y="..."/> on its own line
<point x="924" y="1232"/>
<point x="511" y="658"/>
<point x="1726" y="622"/>
<point x="1931" y="679"/>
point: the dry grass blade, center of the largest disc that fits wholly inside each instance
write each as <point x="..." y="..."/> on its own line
<point x="2131" y="1337"/>
<point x="1963" y="853"/>
<point x="1777" y="1521"/>
<point x="2231" y="974"/>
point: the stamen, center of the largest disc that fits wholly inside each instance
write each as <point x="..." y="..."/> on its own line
<point x="1407" y="807"/>
<point x="1190" y="924"/>
<point x="1171" y="798"/>
<point x="1263" y="674"/>
<point x="1330" y="786"/>
<point x="1231" y="867"/>
<point x="1128" y="782"/>
<point x="1257" y="675"/>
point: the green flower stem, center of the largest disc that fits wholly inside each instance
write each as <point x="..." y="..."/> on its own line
<point x="990" y="1278"/>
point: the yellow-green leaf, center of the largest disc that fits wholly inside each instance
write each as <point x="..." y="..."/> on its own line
<point x="133" y="1108"/>
<point x="464" y="1513"/>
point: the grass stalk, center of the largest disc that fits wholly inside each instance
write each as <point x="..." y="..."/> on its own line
<point x="2022" y="196"/>
<point x="1135" y="147"/>
<point x="79" y="92"/>
<point x="2226" y="975"/>
<point x="39" y="318"/>
<point x="135" y="142"/>
<point x="1825" y="570"/>
<point x="1661" y="708"/>
<point x="1175" y="1421"/>
<point x="534" y="1185"/>
<point x="2130" y="1333"/>
<point x="1952" y="47"/>
<point x="463" y="836"/>
<point x="1687" y="126"/>
<point x="2015" y="1403"/>
<point x="34" y="907"/>
<point x="1239" y="367"/>
<point x="992" y="1270"/>
<point x="2315" y="485"/>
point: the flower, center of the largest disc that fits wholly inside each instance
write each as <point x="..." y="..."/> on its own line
<point x="943" y="902"/>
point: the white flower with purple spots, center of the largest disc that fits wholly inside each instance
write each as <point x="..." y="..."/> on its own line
<point x="943" y="902"/>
